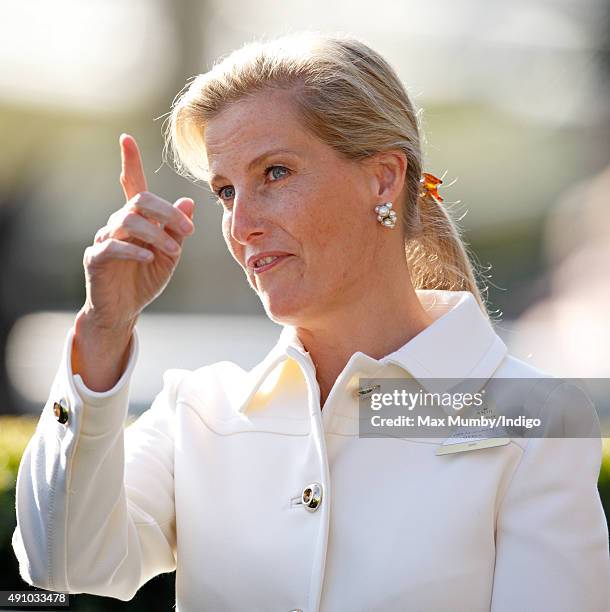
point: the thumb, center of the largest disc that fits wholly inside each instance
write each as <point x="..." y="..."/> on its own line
<point x="186" y="205"/>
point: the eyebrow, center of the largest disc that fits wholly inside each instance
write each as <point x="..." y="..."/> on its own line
<point x="257" y="160"/>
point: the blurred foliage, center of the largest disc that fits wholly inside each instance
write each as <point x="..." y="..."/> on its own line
<point x="158" y="593"/>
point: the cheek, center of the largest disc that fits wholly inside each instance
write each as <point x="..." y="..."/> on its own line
<point x="337" y="246"/>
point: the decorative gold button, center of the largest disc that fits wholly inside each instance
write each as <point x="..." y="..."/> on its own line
<point x="61" y="411"/>
<point x="312" y="496"/>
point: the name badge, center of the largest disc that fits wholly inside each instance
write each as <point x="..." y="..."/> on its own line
<point x="474" y="437"/>
<point x="457" y="445"/>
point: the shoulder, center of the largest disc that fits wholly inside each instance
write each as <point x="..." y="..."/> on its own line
<point x="214" y="388"/>
<point x="564" y="406"/>
<point x="211" y="392"/>
<point x="513" y="367"/>
<point x="564" y="451"/>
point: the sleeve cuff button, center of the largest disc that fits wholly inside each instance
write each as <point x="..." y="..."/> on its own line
<point x="60" y="410"/>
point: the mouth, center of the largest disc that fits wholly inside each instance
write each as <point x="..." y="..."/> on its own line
<point x="266" y="263"/>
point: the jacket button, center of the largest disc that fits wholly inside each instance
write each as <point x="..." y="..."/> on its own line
<point x="312" y="496"/>
<point x="60" y="410"/>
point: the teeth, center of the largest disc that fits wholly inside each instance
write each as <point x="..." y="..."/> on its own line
<point x="264" y="261"/>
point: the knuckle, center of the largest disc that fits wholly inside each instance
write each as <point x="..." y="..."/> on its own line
<point x="106" y="246"/>
<point x="111" y="246"/>
<point x="130" y="218"/>
<point x="99" y="235"/>
<point x="142" y="196"/>
<point x="137" y="200"/>
<point x="92" y="254"/>
<point x="141" y="201"/>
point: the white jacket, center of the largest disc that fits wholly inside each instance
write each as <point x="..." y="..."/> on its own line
<point x="209" y="482"/>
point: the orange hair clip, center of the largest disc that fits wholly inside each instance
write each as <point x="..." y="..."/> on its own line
<point x="431" y="184"/>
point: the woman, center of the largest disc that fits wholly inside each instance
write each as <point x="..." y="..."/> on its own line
<point x="255" y="486"/>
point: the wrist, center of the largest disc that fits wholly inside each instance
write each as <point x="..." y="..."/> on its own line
<point x="90" y="324"/>
<point x="100" y="352"/>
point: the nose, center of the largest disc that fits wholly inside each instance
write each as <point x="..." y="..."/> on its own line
<point x="246" y="219"/>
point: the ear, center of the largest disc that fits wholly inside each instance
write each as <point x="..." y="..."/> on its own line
<point x="387" y="172"/>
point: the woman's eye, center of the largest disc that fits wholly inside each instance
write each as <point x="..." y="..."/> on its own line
<point x="273" y="168"/>
<point x="222" y="190"/>
<point x="228" y="192"/>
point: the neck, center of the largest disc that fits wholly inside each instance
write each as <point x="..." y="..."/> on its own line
<point x="377" y="323"/>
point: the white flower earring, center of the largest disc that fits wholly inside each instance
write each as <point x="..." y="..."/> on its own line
<point x="385" y="215"/>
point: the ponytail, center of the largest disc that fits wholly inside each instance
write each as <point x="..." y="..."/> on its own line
<point x="437" y="256"/>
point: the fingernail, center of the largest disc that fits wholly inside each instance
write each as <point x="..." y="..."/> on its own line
<point x="185" y="226"/>
<point x="171" y="246"/>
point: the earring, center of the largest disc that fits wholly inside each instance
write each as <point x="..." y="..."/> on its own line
<point x="385" y="215"/>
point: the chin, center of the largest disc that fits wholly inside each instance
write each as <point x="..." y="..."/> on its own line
<point x="284" y="310"/>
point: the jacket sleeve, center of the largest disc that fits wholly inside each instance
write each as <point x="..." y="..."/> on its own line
<point x="551" y="531"/>
<point x="95" y="500"/>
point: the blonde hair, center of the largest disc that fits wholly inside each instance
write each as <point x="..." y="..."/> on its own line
<point x="349" y="97"/>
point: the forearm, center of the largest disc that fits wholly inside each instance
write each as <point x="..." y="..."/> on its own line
<point x="99" y="355"/>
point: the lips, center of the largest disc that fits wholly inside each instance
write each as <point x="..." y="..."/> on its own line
<point x="253" y="259"/>
<point x="263" y="261"/>
<point x="274" y="261"/>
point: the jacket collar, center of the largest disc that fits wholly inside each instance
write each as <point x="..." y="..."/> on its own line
<point x="460" y="343"/>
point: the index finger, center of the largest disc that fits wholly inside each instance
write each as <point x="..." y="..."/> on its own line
<point x="132" y="177"/>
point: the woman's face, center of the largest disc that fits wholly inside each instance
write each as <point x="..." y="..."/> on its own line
<point x="303" y="203"/>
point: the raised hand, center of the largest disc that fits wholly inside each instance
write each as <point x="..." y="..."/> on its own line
<point x="135" y="254"/>
<point x="129" y="264"/>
